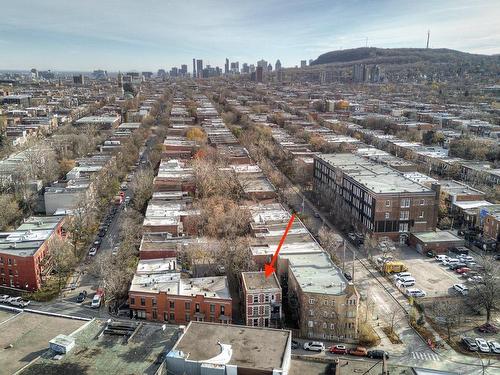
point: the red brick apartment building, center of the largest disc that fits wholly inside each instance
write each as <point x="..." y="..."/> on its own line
<point x="24" y="253"/>
<point x="166" y="297"/>
<point x="376" y="199"/>
<point x="262" y="298"/>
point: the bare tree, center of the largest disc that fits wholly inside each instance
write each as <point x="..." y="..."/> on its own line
<point x="448" y="313"/>
<point x="10" y="212"/>
<point x="62" y="259"/>
<point x="142" y="188"/>
<point x="486" y="293"/>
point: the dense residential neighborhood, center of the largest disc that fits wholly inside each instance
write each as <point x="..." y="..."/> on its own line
<point x="338" y="215"/>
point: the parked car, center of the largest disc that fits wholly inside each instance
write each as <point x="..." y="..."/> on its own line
<point x="456" y="266"/>
<point x="461" y="288"/>
<point x="316" y="214"/>
<point x="4" y="298"/>
<point x="18" y="302"/>
<point x="377" y="354"/>
<point x="475" y="279"/>
<point x="482" y="345"/>
<point x="81" y="297"/>
<point x="295" y="344"/>
<point x="415" y="292"/>
<point x="450" y="261"/>
<point x="348" y="276"/>
<point x="314" y="346"/>
<point x="494" y="346"/>
<point x="97" y="243"/>
<point x="430" y="254"/>
<point x="441" y="257"/>
<point x="338" y="349"/>
<point x="401" y="275"/>
<point x="115" y="250"/>
<point x="358" y="351"/>
<point x="462" y="270"/>
<point x="470" y="344"/>
<point x="466" y="258"/>
<point x="96" y="301"/>
<point x="460" y="250"/>
<point x="487" y="328"/>
<point x="92" y="251"/>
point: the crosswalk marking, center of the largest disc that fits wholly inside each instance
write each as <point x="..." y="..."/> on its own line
<point x="425" y="356"/>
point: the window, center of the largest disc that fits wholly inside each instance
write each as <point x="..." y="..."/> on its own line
<point x="266" y="310"/>
<point x="325" y="325"/>
<point x="404" y="215"/>
<point x="403" y="227"/>
<point x="155" y="314"/>
<point x="266" y="298"/>
<point x="387" y="215"/>
<point x="255" y="298"/>
<point x="405" y="202"/>
<point x="153" y="301"/>
<point x="310" y="324"/>
<point x="421" y="216"/>
<point x="256" y="322"/>
<point x="187" y="317"/>
<point x="222" y="310"/>
<point x="255" y="311"/>
<point x="311" y="301"/>
<point x="165" y="316"/>
<point x="132" y="299"/>
<point x="388" y="203"/>
<point x="422" y="202"/>
<point x="212" y="309"/>
<point x="172" y="304"/>
<point x="172" y="316"/>
<point x="143" y="301"/>
<point x="187" y="306"/>
<point x="311" y="313"/>
<point x="325" y="314"/>
<point x="197" y="307"/>
<point x="9" y="261"/>
<point x="332" y="326"/>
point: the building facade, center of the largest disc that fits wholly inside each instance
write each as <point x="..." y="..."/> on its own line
<point x="262" y="299"/>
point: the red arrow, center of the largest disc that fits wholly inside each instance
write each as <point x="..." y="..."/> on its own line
<point x="269" y="268"/>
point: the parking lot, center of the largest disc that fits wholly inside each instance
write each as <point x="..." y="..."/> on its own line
<point x="430" y="276"/>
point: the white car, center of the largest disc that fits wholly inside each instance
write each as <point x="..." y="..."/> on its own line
<point x="441" y="258"/>
<point x="461" y="288"/>
<point x="402" y="275"/>
<point x="466" y="258"/>
<point x="314" y="346"/>
<point x="4" y="298"/>
<point x="450" y="261"/>
<point x="482" y="345"/>
<point x="415" y="292"/>
<point x="18" y="302"/>
<point x="475" y="279"/>
<point x="92" y="251"/>
<point x="96" y="301"/>
<point x="494" y="346"/>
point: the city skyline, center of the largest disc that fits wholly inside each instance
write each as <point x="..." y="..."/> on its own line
<point x="86" y="36"/>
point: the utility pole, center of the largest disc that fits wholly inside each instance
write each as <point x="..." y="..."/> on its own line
<point x="343" y="258"/>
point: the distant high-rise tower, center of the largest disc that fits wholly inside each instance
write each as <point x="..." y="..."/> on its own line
<point x="303" y="63"/>
<point x="194" y="68"/>
<point x="226" y="66"/>
<point x="259" y="74"/>
<point x="428" y="37"/>
<point x="199" y="68"/>
<point x="269" y="67"/>
<point x="277" y="66"/>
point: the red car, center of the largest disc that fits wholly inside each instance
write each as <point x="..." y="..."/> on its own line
<point x="463" y="270"/>
<point x="359" y="351"/>
<point x="338" y="349"/>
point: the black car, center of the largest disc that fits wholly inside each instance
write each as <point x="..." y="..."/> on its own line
<point x="295" y="344"/>
<point x="377" y="354"/>
<point x="81" y="297"/>
<point x="430" y="254"/>
<point x="348" y="276"/>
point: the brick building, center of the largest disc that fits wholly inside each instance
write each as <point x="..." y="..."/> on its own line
<point x="158" y="293"/>
<point x="262" y="299"/>
<point x="24" y="253"/>
<point x="376" y="199"/>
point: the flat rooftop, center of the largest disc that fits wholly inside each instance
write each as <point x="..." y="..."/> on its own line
<point x="96" y="354"/>
<point x="437" y="236"/>
<point x="375" y="177"/>
<point x="252" y="347"/>
<point x="29" y="335"/>
<point x="258" y="281"/>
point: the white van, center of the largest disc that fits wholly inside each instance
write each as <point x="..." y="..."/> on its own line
<point x="96" y="301"/>
<point x="461" y="288"/>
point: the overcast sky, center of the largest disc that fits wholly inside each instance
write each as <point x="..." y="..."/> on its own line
<point x="153" y="34"/>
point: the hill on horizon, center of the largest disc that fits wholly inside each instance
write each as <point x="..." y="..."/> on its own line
<point x="373" y="55"/>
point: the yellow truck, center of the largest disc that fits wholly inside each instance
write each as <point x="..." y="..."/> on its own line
<point x="394" y="267"/>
